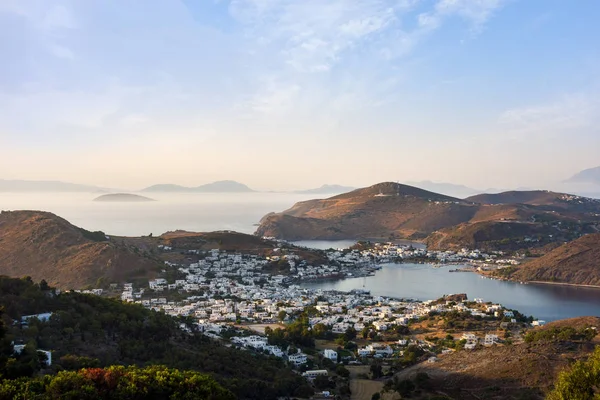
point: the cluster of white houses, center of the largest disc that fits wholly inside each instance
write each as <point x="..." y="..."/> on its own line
<point x="225" y="288"/>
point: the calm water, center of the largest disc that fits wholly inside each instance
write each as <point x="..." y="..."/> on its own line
<point x="325" y="244"/>
<point x="423" y="282"/>
<point x="198" y="212"/>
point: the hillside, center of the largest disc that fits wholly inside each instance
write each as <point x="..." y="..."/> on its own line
<point x="543" y="199"/>
<point x="215" y="187"/>
<point x="590" y="175"/>
<point x="521" y="371"/>
<point x="381" y="211"/>
<point x="92" y="331"/>
<point x="122" y="198"/>
<point x="44" y="246"/>
<point x="395" y="211"/>
<point x="576" y="262"/>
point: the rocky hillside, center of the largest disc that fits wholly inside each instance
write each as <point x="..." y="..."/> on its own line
<point x="520" y="371"/>
<point x="576" y="262"/>
<point x="385" y="210"/>
<point x="44" y="246"/>
<point x="542" y="199"/>
<point x="394" y="211"/>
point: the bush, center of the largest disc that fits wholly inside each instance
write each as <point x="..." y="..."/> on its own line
<point x="580" y="381"/>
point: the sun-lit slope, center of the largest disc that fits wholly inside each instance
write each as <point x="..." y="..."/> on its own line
<point x="45" y="246"/>
<point x="576" y="262"/>
<point x="380" y="211"/>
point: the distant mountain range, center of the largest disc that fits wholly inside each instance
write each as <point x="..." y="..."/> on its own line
<point x="215" y="187"/>
<point x="47" y="186"/>
<point x="590" y="175"/>
<point x="327" y="189"/>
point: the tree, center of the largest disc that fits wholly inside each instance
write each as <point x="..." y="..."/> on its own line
<point x="376" y="370"/>
<point x="342" y="371"/>
<point x="281" y="315"/>
<point x="322" y="382"/>
<point x="580" y="381"/>
<point x="44" y="285"/>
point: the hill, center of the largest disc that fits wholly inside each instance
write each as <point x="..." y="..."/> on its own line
<point x="327" y="189"/>
<point x="520" y="371"/>
<point x="388" y="211"/>
<point x="380" y="211"/>
<point x="543" y="199"/>
<point x="576" y="262"/>
<point x="44" y="246"/>
<point x="590" y="175"/>
<point x="122" y="198"/>
<point x="215" y="187"/>
<point x="46" y="186"/>
<point x="92" y="331"/>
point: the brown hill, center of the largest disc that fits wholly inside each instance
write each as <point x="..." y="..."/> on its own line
<point x="44" y="246"/>
<point x="576" y="262"/>
<point x="543" y="199"/>
<point x="381" y="211"/>
<point x="390" y="210"/>
<point x="523" y="371"/>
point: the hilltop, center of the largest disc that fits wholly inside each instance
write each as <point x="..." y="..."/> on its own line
<point x="543" y="199"/>
<point x="122" y="197"/>
<point x="380" y="211"/>
<point x="576" y="262"/>
<point x="395" y="211"/>
<point x="215" y="187"/>
<point x="45" y="246"/>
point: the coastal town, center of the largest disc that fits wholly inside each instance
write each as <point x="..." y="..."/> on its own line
<point x="231" y="297"/>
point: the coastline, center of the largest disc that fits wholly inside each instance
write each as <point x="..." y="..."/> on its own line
<point x="563" y="284"/>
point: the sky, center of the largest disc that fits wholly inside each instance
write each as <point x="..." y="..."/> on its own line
<point x="287" y="94"/>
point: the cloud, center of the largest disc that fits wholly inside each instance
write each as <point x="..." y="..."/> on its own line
<point x="569" y="113"/>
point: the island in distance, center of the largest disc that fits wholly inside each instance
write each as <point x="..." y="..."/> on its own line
<point x="122" y="198"/>
<point x="215" y="187"/>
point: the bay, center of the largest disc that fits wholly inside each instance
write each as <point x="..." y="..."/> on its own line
<point x="424" y="282"/>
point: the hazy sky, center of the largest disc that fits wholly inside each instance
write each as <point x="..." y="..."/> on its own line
<point x="295" y="93"/>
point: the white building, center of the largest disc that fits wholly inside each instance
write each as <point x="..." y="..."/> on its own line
<point x="297" y="359"/>
<point x="331" y="354"/>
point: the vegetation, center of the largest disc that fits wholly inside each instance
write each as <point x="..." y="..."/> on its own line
<point x="90" y="331"/>
<point x="118" y="382"/>
<point x="579" y="382"/>
<point x="565" y="333"/>
<point x="97" y="236"/>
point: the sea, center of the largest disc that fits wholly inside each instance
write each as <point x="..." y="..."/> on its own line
<point x="196" y="212"/>
<point x="242" y="212"/>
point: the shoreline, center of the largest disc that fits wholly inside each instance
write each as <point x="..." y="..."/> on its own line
<point x="562" y="284"/>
